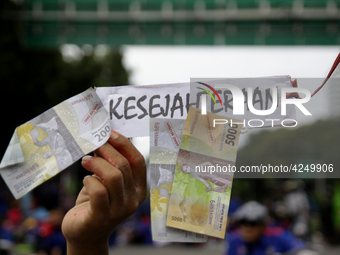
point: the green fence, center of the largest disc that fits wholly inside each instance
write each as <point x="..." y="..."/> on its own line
<point x="49" y="23"/>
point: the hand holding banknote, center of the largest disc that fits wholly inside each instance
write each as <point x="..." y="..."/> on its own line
<point x="108" y="197"/>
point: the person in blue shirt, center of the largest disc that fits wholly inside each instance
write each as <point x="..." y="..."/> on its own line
<point x="254" y="237"/>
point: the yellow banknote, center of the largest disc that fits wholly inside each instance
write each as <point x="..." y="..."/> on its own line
<point x="165" y="139"/>
<point x="52" y="141"/>
<point x="203" y="177"/>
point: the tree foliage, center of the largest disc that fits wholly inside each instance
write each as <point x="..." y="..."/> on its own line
<point x="315" y="143"/>
<point x="33" y="80"/>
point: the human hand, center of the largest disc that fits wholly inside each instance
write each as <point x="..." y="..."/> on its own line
<point x="108" y="197"/>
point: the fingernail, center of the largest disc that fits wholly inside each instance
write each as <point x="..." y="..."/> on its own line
<point x="86" y="158"/>
<point x="114" y="135"/>
<point x="87" y="176"/>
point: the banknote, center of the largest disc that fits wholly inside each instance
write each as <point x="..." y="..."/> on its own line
<point x="201" y="188"/>
<point x="52" y="141"/>
<point x="165" y="139"/>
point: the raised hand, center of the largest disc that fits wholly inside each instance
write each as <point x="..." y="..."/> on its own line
<point x="114" y="191"/>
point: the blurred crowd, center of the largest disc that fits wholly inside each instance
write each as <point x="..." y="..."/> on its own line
<point x="33" y="223"/>
<point x="289" y="207"/>
<point x="278" y="227"/>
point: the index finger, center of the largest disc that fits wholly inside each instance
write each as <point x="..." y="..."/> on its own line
<point x="135" y="158"/>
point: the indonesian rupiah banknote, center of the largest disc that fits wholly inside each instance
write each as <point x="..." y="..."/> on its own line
<point x="52" y="141"/>
<point x="203" y="178"/>
<point x="165" y="139"/>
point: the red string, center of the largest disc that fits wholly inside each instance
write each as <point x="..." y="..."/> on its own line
<point x="336" y="62"/>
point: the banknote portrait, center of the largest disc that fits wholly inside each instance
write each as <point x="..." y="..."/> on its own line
<point x="56" y="142"/>
<point x="161" y="176"/>
<point x="49" y="130"/>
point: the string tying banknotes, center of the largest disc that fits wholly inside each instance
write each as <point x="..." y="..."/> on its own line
<point x="334" y="66"/>
<point x="294" y="82"/>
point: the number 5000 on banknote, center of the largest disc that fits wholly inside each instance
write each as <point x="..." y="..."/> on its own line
<point x="202" y="184"/>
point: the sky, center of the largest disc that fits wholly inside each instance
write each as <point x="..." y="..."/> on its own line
<point x="171" y="64"/>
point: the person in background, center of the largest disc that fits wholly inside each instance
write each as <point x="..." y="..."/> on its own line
<point x="254" y="237"/>
<point x="298" y="209"/>
<point x="114" y="191"/>
<point x="50" y="239"/>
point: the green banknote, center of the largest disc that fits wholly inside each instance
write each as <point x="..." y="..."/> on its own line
<point x="203" y="177"/>
<point x="165" y="139"/>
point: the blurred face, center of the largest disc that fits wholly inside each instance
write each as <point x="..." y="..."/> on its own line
<point x="251" y="233"/>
